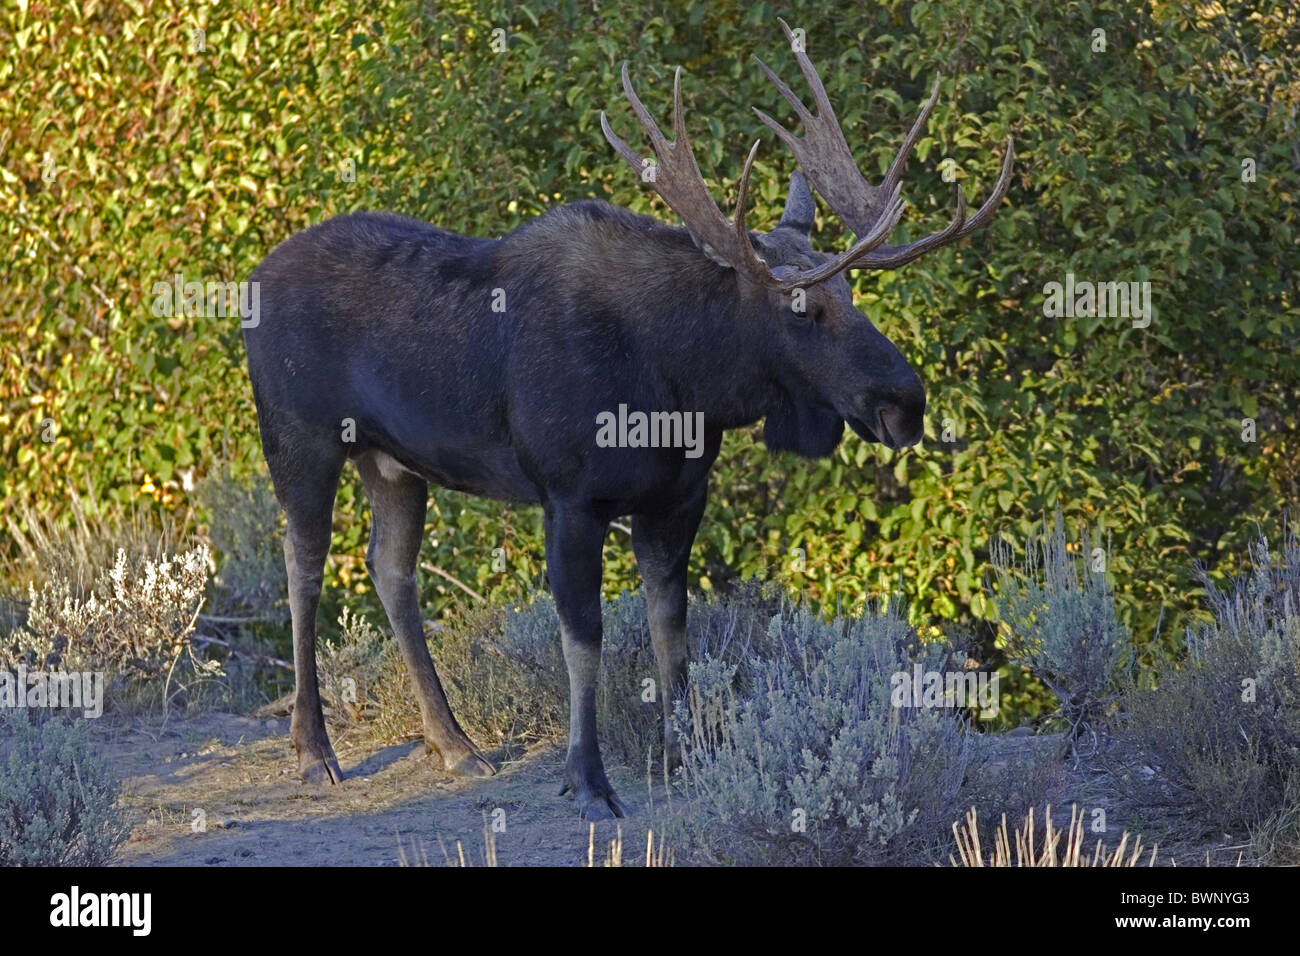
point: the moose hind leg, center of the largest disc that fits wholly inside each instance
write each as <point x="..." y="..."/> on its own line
<point x="573" y="565"/>
<point x="307" y="495"/>
<point x="398" y="504"/>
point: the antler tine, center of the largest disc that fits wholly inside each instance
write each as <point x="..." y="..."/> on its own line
<point x="990" y="205"/>
<point x="679" y="118"/>
<point x="899" y="165"/>
<point x="679" y="181"/>
<point x="849" y="257"/>
<point x="891" y="257"/>
<point x="648" y="123"/>
<point x="651" y="128"/>
<point x="742" y="199"/>
<point x="623" y="149"/>
<point x="795" y="103"/>
<point x="809" y="73"/>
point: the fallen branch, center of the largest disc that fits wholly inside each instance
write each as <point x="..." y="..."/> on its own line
<point x="222" y="619"/>
<point x="454" y="580"/>
<point x="206" y="639"/>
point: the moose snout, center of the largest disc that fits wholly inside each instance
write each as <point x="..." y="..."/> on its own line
<point x="896" y="412"/>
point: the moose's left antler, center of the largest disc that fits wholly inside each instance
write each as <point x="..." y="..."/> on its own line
<point x="826" y="160"/>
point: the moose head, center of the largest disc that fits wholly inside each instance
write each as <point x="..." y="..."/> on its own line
<point x="823" y="349"/>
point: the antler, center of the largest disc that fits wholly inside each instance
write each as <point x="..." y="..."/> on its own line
<point x="678" y="180"/>
<point x="825" y="158"/>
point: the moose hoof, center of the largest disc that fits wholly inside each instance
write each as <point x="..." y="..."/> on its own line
<point x="319" y="768"/>
<point x="316" y="760"/>
<point x="595" y="797"/>
<point x="462" y="761"/>
<point x="473" y="764"/>
<point x="605" y="807"/>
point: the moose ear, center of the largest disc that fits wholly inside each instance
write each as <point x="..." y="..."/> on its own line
<point x="799" y="206"/>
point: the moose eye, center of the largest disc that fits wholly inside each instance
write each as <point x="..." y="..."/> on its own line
<point x="810" y="313"/>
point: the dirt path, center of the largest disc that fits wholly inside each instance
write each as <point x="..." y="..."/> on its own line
<point x="234" y="774"/>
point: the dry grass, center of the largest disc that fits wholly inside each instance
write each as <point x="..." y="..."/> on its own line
<point x="414" y="854"/>
<point x="969" y="845"/>
<point x="49" y="550"/>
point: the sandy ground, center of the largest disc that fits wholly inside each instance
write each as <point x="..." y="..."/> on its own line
<point x="220" y="790"/>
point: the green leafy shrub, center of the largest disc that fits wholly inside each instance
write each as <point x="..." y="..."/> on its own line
<point x="795" y="755"/>
<point x="1222" y="727"/>
<point x="1061" y="623"/>
<point x="58" y="801"/>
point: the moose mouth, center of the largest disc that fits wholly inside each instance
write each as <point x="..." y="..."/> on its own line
<point x="879" y="433"/>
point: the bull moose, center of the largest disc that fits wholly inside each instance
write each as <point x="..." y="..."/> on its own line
<point x="485" y="365"/>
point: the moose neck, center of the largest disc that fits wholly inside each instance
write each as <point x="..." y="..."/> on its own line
<point x="692" y="316"/>
<point x="709" y="343"/>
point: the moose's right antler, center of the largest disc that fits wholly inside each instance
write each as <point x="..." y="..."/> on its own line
<point x="826" y="160"/>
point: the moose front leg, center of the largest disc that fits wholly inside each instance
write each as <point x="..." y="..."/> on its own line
<point x="662" y="544"/>
<point x="574" y="536"/>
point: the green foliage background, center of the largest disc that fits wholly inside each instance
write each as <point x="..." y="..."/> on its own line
<point x="168" y="158"/>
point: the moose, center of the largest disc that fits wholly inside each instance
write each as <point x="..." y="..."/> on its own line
<point x="485" y="365"/>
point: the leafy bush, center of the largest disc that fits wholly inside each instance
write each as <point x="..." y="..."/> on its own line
<point x="1061" y="624"/>
<point x="58" y="801"/>
<point x="795" y="754"/>
<point x="1222" y="728"/>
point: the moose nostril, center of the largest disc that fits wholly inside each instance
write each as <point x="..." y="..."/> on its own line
<point x="908" y="395"/>
<point x="901" y="426"/>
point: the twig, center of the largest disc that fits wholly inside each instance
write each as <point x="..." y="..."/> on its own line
<point x="222" y="619"/>
<point x="206" y="639"/>
<point x="454" y="580"/>
<point x="180" y="647"/>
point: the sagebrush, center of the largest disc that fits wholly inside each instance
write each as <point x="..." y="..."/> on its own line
<point x="58" y="800"/>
